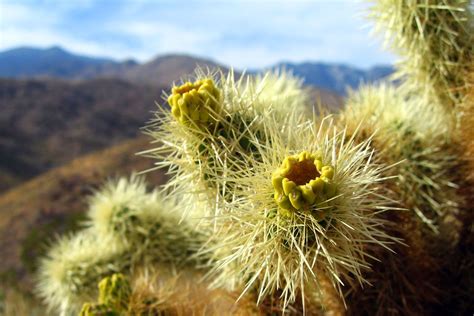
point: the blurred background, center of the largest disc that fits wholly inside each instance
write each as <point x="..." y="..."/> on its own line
<point x="79" y="78"/>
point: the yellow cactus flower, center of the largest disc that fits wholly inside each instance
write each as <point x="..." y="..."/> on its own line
<point x="194" y="102"/>
<point x="301" y="182"/>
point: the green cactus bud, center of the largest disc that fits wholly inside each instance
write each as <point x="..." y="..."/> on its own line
<point x="301" y="181"/>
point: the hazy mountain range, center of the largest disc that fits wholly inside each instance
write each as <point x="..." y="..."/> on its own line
<point x="26" y="62"/>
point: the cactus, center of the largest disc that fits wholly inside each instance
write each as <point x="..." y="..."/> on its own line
<point x="276" y="245"/>
<point x="435" y="40"/>
<point x="147" y="222"/>
<point x="352" y="213"/>
<point x="127" y="227"/>
<point x="419" y="139"/>
<point x="69" y="274"/>
<point x="195" y="151"/>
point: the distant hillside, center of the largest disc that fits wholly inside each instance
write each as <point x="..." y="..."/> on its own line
<point x="335" y="77"/>
<point x="163" y="70"/>
<point x="32" y="214"/>
<point x="27" y="62"/>
<point x="46" y="123"/>
<point x="55" y="62"/>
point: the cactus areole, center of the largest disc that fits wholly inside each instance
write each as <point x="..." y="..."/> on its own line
<point x="302" y="183"/>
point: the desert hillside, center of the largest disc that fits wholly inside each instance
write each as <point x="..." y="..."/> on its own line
<point x="51" y="204"/>
<point x="46" y="123"/>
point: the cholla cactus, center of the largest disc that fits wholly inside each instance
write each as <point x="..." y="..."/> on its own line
<point x="292" y="209"/>
<point x="69" y="274"/>
<point x="231" y="115"/>
<point x="315" y="215"/>
<point x="127" y="227"/>
<point x="147" y="222"/>
<point x="317" y="211"/>
<point x="435" y="39"/>
<point x="416" y="136"/>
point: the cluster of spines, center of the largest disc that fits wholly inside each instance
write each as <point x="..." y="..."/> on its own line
<point x="416" y="124"/>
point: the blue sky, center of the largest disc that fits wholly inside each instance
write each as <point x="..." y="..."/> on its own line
<point x="243" y="34"/>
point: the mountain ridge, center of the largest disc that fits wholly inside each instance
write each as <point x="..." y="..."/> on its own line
<point x="334" y="76"/>
<point x="27" y="62"/>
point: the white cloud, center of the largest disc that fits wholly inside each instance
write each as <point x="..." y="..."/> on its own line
<point x="240" y="33"/>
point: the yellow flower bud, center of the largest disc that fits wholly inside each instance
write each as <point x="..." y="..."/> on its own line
<point x="302" y="182"/>
<point x="193" y="102"/>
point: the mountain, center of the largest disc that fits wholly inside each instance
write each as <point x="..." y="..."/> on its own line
<point x="335" y="77"/>
<point x="27" y="62"/>
<point x="55" y="62"/>
<point x="33" y="213"/>
<point x="46" y="123"/>
<point x="163" y="70"/>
